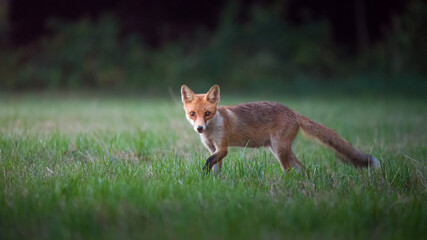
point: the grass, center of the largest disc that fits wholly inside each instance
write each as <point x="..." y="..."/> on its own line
<point x="118" y="168"/>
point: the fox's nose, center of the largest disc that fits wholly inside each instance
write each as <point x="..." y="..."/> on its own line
<point x="200" y="129"/>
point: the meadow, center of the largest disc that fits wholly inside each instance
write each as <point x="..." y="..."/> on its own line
<point x="109" y="167"/>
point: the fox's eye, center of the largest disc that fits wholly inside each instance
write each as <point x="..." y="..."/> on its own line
<point x="192" y="113"/>
<point x="207" y="114"/>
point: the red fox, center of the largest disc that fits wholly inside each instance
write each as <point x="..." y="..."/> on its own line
<point x="259" y="124"/>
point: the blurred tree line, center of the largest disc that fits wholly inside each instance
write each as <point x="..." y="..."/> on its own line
<point x="262" y="53"/>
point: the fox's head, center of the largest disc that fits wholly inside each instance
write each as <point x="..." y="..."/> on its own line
<point x="200" y="108"/>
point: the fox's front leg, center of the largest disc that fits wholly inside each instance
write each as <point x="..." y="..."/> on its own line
<point x="215" y="158"/>
<point x="216" y="167"/>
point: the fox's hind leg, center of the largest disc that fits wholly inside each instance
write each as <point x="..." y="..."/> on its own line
<point x="287" y="159"/>
<point x="281" y="152"/>
<point x="295" y="163"/>
<point x="281" y="146"/>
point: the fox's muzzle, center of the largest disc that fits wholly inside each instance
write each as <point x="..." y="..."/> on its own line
<point x="200" y="129"/>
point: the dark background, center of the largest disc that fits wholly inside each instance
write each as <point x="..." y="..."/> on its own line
<point x="338" y="46"/>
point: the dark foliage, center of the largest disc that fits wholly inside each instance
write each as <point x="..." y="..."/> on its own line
<point x="264" y="53"/>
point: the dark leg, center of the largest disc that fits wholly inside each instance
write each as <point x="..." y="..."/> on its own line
<point x="212" y="160"/>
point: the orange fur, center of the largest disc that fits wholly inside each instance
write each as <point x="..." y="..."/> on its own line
<point x="259" y="124"/>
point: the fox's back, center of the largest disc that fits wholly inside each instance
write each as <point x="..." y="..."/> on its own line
<point x="257" y="121"/>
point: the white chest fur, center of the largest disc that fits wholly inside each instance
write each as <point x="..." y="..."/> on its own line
<point x="213" y="135"/>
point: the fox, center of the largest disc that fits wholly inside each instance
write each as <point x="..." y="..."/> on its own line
<point x="259" y="124"/>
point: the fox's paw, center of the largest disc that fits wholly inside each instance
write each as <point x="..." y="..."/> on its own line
<point x="205" y="171"/>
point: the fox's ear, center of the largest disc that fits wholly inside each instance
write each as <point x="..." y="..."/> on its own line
<point x="186" y="94"/>
<point x="213" y="94"/>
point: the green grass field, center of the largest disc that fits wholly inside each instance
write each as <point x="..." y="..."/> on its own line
<point x="128" y="167"/>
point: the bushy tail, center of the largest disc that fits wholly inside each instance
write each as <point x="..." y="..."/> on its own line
<point x="343" y="148"/>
